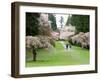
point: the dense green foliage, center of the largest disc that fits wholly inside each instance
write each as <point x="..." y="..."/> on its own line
<point x="81" y="22"/>
<point x="32" y="24"/>
<point x="53" y="22"/>
<point x="69" y="20"/>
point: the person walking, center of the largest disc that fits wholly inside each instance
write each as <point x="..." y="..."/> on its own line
<point x="68" y="45"/>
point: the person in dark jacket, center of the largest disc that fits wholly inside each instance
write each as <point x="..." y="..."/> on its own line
<point x="68" y="45"/>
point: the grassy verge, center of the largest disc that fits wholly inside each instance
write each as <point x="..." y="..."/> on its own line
<point x="58" y="56"/>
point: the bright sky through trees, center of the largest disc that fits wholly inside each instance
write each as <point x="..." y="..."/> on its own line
<point x="58" y="17"/>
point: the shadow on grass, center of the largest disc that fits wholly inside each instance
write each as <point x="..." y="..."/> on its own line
<point x="38" y="61"/>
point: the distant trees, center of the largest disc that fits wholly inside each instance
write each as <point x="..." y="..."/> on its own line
<point x="53" y="22"/>
<point x="81" y="22"/>
<point x="61" y="21"/>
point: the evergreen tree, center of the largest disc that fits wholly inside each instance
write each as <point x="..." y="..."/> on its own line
<point x="53" y="22"/>
<point x="32" y="24"/>
<point x="68" y="20"/>
<point x="61" y="21"/>
<point x="81" y="22"/>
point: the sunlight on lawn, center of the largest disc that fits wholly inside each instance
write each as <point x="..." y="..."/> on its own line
<point x="58" y="56"/>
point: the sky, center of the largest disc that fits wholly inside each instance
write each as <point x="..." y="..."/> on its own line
<point x="58" y="17"/>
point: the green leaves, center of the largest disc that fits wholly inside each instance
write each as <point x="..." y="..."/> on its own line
<point x="81" y="22"/>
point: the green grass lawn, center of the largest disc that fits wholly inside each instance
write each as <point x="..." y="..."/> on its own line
<point x="58" y="56"/>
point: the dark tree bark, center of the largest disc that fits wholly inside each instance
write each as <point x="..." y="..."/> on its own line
<point x="34" y="54"/>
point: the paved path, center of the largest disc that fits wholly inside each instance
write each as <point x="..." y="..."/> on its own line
<point x="63" y="44"/>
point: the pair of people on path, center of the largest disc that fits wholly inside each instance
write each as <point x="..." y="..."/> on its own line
<point x="68" y="45"/>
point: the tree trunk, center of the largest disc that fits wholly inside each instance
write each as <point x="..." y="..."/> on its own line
<point x="34" y="54"/>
